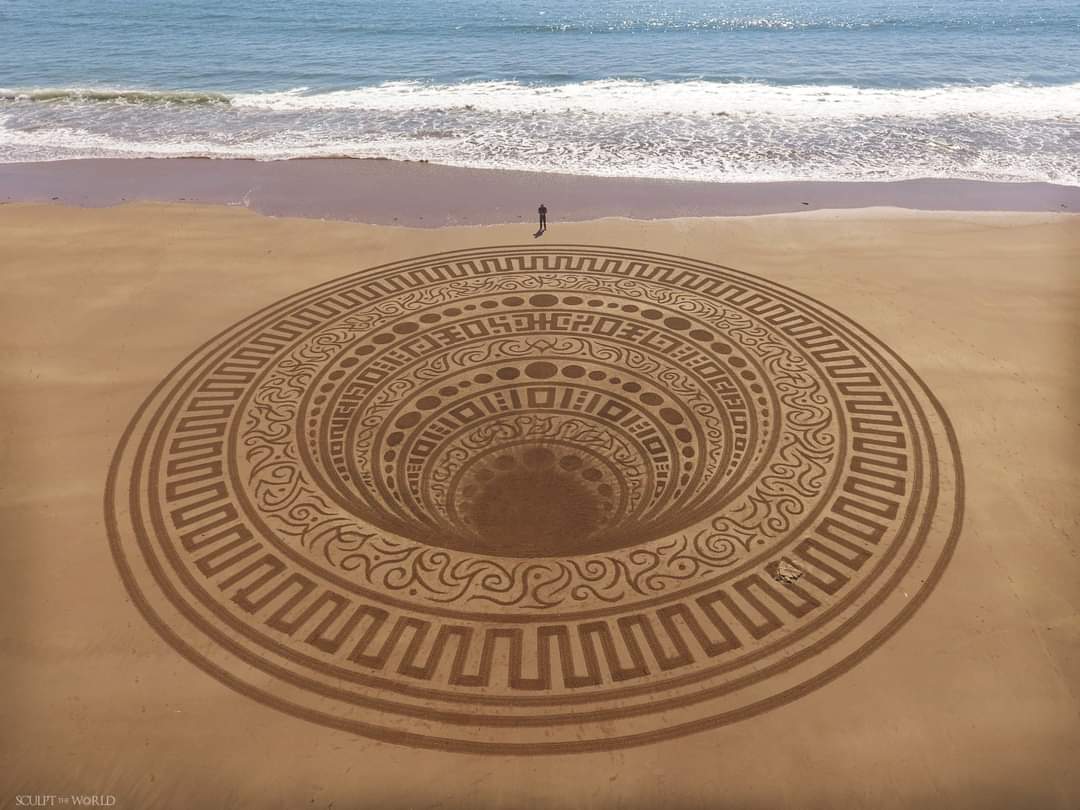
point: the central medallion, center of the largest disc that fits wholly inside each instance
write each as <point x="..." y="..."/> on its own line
<point x="538" y="425"/>
<point x="527" y="505"/>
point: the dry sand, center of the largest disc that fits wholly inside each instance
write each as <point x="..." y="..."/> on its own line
<point x="974" y="703"/>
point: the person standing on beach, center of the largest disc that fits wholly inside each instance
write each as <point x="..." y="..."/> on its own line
<point x="543" y="217"/>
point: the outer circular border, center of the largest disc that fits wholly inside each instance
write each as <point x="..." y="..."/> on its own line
<point x="792" y="692"/>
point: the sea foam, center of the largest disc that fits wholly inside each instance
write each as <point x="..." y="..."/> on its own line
<point x="1010" y="100"/>
<point x="690" y="130"/>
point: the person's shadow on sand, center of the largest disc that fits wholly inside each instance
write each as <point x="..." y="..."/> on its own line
<point x="542" y="211"/>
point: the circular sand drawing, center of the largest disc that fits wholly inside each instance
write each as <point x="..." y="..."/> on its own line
<point x="532" y="500"/>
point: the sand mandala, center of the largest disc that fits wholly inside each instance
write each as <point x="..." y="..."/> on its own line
<point x="535" y="500"/>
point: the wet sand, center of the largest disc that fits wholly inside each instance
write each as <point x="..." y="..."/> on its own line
<point x="973" y="703"/>
<point x="426" y="195"/>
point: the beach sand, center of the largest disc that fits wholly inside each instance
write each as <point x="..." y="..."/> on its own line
<point x="428" y="195"/>
<point x="973" y="703"/>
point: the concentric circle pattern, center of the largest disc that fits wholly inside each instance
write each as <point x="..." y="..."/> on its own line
<point x="535" y="500"/>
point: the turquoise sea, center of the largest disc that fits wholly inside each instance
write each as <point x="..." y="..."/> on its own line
<point x="728" y="90"/>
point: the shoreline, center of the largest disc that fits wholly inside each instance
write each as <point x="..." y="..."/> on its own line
<point x="429" y="195"/>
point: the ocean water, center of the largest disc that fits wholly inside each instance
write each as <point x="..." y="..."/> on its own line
<point x="726" y="90"/>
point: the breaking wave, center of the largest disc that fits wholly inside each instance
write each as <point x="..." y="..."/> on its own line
<point x="691" y="130"/>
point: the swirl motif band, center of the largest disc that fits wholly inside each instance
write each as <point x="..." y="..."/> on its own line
<point x="535" y="500"/>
